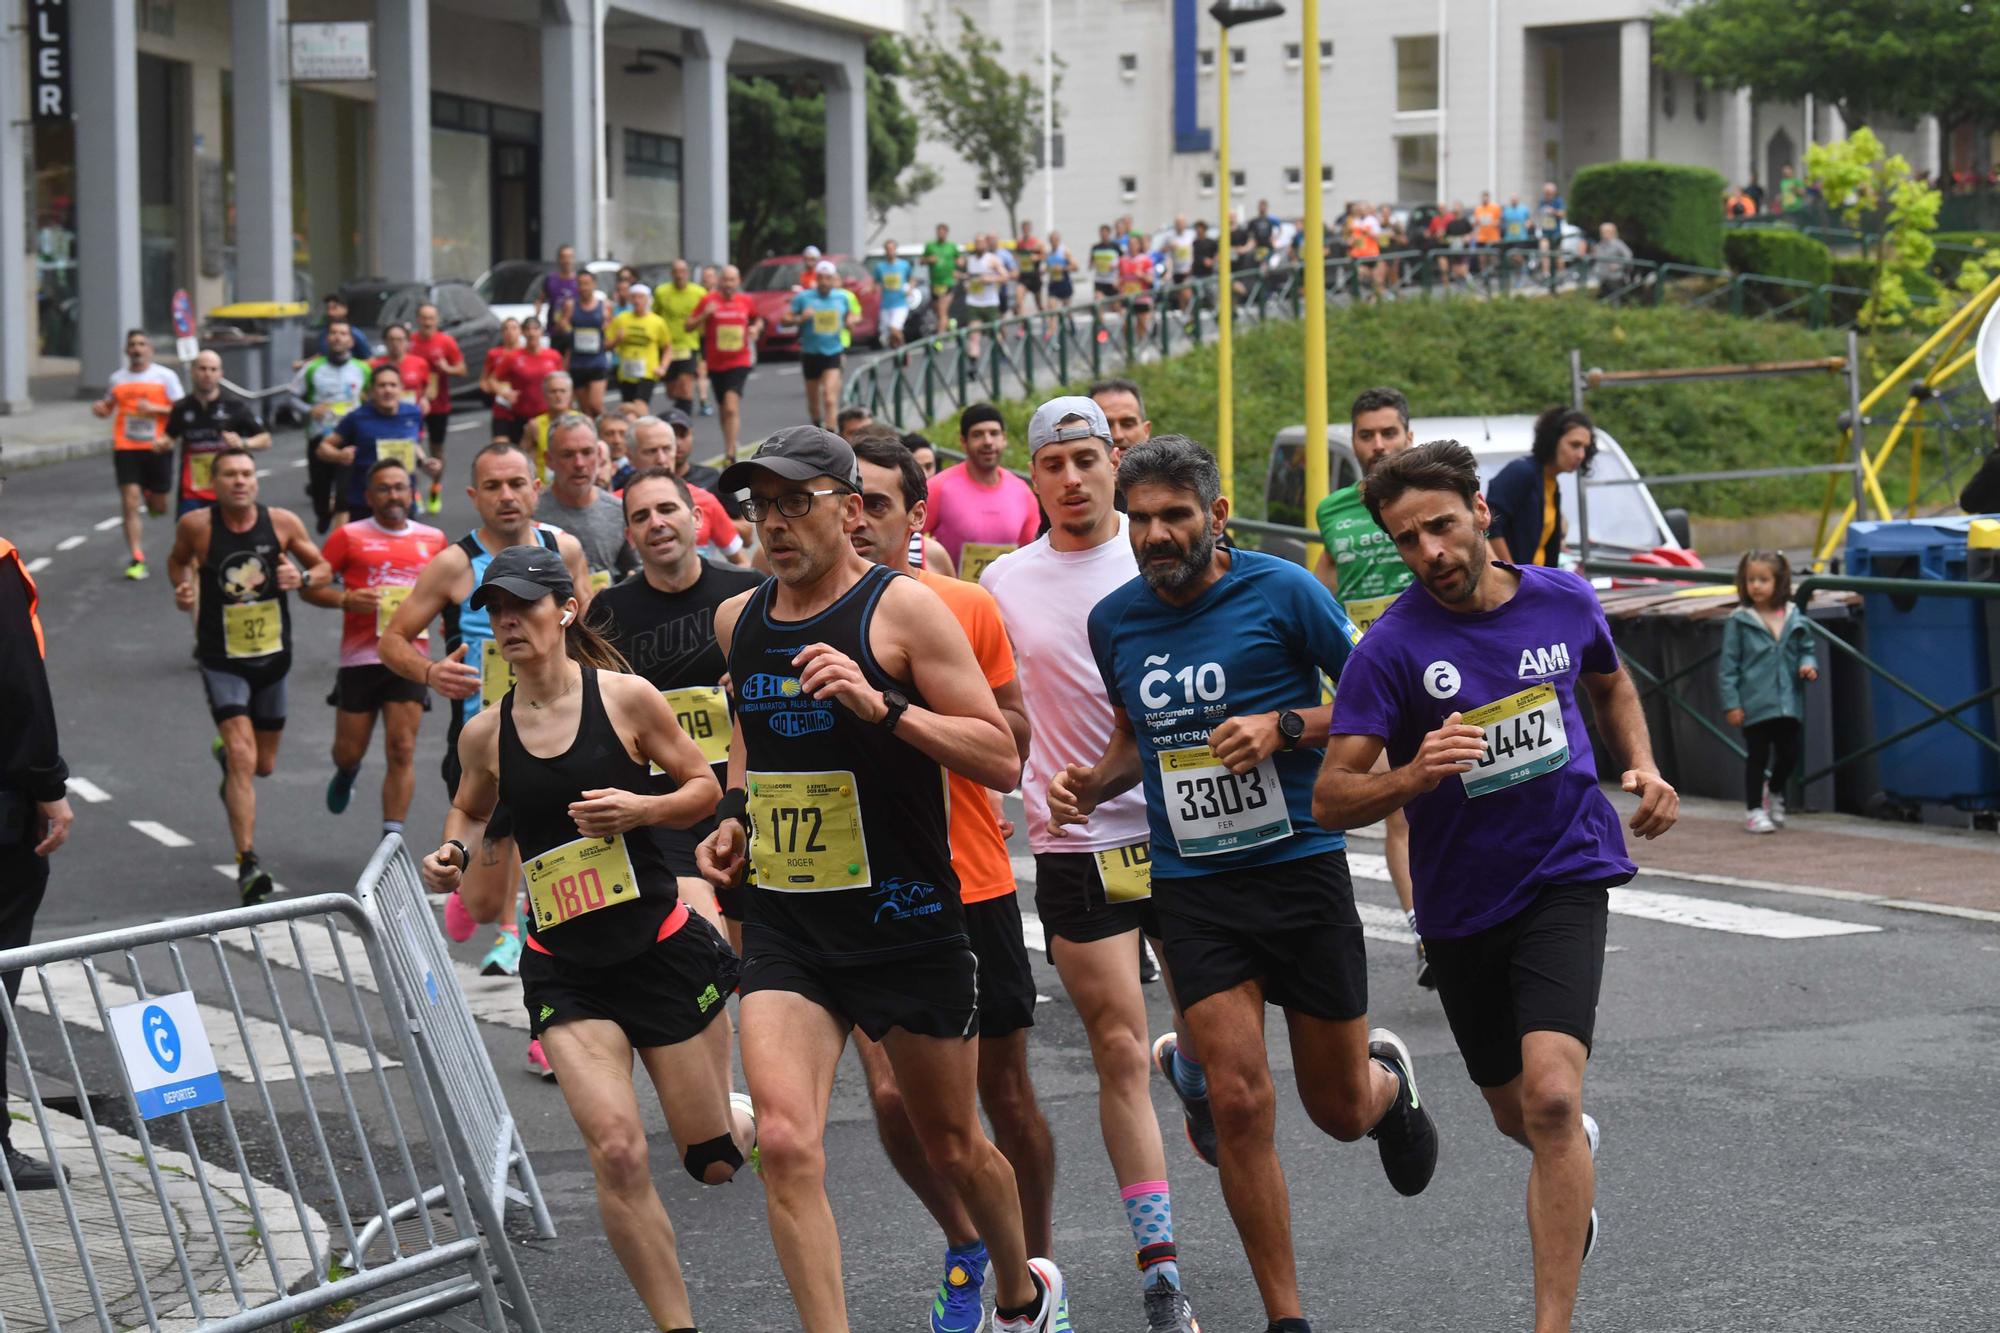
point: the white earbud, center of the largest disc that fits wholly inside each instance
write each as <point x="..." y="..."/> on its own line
<point x="568" y="616"/>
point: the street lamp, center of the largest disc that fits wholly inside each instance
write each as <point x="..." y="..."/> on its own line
<point x="1230" y="14"/>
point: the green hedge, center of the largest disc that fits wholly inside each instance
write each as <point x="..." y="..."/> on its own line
<point x="1778" y="252"/>
<point x="1855" y="272"/>
<point x="1945" y="264"/>
<point x="1664" y="211"/>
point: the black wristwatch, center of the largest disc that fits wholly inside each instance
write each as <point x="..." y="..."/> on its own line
<point x="897" y="705"/>
<point x="464" y="857"/>
<point x="1291" y="730"/>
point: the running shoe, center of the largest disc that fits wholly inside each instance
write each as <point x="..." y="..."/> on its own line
<point x="340" y="789"/>
<point x="30" y="1173"/>
<point x="539" y="1063"/>
<point x="707" y="408"/>
<point x="1196" y="1117"/>
<point x="436" y="503"/>
<point x="1054" y="1315"/>
<point x="458" y="923"/>
<point x="504" y="958"/>
<point x="253" y="882"/>
<point x="221" y="762"/>
<point x="1757" y="821"/>
<point x="741" y="1102"/>
<point x="1590" y="1237"/>
<point x="1167" y="1309"/>
<point x="959" y="1305"/>
<point x="136" y="570"/>
<point x="1405" y="1136"/>
<point x="1774" y="806"/>
<point x="1149" y="970"/>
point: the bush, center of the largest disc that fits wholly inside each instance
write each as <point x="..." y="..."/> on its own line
<point x="1946" y="263"/>
<point x="1664" y="212"/>
<point x="1845" y="307"/>
<point x="1778" y="252"/>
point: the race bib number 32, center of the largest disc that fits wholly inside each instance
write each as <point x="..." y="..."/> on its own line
<point x="253" y="629"/>
<point x="1213" y="810"/>
<point x="578" y="878"/>
<point x="1524" y="739"/>
<point x="805" y="832"/>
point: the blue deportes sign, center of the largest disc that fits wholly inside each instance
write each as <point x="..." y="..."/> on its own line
<point x="165" y="1051"/>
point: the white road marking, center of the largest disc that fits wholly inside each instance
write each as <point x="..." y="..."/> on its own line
<point x="1735" y="918"/>
<point x="72" y="542"/>
<point x="88" y="790"/>
<point x="298" y="462"/>
<point x="161" y="834"/>
<point x="73" y="1002"/>
<point x="263" y="472"/>
<point x="109" y="523"/>
<point x="38" y="564"/>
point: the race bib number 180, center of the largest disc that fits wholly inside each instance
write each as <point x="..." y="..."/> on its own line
<point x="578" y="878"/>
<point x="1524" y="739"/>
<point x="1213" y="810"/>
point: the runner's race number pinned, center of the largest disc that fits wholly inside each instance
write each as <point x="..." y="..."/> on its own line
<point x="1524" y="739"/>
<point x="805" y="832"/>
<point x="579" y="878"/>
<point x="1213" y="810"/>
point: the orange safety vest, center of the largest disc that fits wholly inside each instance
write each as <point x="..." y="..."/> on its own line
<point x="7" y="551"/>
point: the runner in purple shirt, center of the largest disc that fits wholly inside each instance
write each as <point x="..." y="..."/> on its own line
<point x="1472" y="688"/>
<point x="555" y="297"/>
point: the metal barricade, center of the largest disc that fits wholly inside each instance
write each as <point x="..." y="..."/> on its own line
<point x="180" y="1233"/>
<point x="476" y="1115"/>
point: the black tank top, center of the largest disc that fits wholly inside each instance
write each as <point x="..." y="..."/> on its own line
<point x="850" y="857"/>
<point x="595" y="901"/>
<point x="244" y="623"/>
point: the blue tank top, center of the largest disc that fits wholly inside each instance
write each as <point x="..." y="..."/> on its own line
<point x="472" y="626"/>
<point x="581" y="320"/>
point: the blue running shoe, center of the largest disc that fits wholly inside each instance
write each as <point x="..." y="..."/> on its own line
<point x="504" y="958"/>
<point x="959" y="1306"/>
<point x="1196" y="1116"/>
<point x="340" y="790"/>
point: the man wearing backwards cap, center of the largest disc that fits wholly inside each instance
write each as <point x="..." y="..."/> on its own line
<point x="821" y="314"/>
<point x="1093" y="889"/>
<point x="854" y="688"/>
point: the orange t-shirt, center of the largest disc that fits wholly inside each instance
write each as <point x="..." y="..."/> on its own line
<point x="1486" y="224"/>
<point x="978" y="852"/>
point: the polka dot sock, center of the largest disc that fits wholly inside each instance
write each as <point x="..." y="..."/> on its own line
<point x="1149" y="1211"/>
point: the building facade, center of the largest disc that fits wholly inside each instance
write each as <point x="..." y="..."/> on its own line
<point x="1425" y="103"/>
<point x="158" y="145"/>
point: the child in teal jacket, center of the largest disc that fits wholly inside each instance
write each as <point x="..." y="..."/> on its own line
<point x="1767" y="658"/>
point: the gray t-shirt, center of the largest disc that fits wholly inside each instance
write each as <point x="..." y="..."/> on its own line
<point x="599" y="527"/>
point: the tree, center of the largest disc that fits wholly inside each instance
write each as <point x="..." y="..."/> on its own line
<point x="1870" y="59"/>
<point x="990" y="117"/>
<point x="777" y="148"/>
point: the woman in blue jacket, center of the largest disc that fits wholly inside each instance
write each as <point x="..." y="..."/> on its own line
<point x="1527" y="510"/>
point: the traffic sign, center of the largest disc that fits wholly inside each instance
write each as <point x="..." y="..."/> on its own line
<point x="166" y="1055"/>
<point x="183" y="314"/>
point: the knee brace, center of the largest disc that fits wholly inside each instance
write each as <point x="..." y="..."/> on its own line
<point x="722" y="1148"/>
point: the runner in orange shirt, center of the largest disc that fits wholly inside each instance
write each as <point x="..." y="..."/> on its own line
<point x="1486" y="227"/>
<point x="138" y="399"/>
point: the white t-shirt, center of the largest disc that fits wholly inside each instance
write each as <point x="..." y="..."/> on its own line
<point x="1178" y="247"/>
<point x="1045" y="597"/>
<point x="153" y="374"/>
<point x="984" y="274"/>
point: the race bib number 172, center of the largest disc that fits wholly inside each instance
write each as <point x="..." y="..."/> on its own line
<point x="1213" y="810"/>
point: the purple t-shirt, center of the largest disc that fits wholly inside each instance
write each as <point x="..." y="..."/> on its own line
<point x="556" y="289"/>
<point x="1482" y="844"/>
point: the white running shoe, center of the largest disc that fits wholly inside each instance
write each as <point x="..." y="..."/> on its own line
<point x="1590" y="1239"/>
<point x="1054" y="1316"/>
<point x="1774" y="806"/>
<point x="1756" y="821"/>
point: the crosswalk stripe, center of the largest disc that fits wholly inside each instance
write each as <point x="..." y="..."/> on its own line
<point x="1735" y="918"/>
<point x="71" y="987"/>
<point x="105" y="525"/>
<point x="87" y="789"/>
<point x="161" y="834"/>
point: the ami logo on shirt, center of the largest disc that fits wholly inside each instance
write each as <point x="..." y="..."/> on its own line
<point x="1539" y="662"/>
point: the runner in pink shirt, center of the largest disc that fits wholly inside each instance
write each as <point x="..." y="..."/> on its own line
<point x="978" y="510"/>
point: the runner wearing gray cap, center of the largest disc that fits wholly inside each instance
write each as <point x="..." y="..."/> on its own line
<point x="1093" y="887"/>
<point x="615" y="962"/>
<point x="855" y="688"/>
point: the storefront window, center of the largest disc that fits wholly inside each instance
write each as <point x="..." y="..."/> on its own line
<point x="53" y="193"/>
<point x="162" y="216"/>
<point x="332" y="160"/>
<point x="650" y="212"/>
<point x="461" y="204"/>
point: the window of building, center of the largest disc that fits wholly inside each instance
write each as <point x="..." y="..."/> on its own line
<point x="986" y="196"/>
<point x="1237" y="180"/>
<point x="650" y="212"/>
<point x="1293" y="52"/>
<point x="1552" y="81"/>
<point x="1293" y="177"/>
<point x="1128" y="64"/>
<point x="1239" y="60"/>
<point x="1417" y="167"/>
<point x="1700" y="101"/>
<point x="1417" y="74"/>
<point x="1326" y="51"/>
<point x="1055" y="149"/>
<point x="1667" y="96"/>
<point x="1128" y="187"/>
<point x="1208" y="182"/>
<point x="1326" y="175"/>
<point x="1204" y="60"/>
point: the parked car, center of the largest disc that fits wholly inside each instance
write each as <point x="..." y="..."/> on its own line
<point x="1624" y="520"/>
<point x="771" y="284"/>
<point x="508" y="288"/>
<point x="373" y="303"/>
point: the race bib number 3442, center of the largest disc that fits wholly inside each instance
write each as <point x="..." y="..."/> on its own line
<point x="1213" y="810"/>
<point x="1524" y="740"/>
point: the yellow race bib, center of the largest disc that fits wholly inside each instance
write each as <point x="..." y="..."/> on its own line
<point x="579" y="878"/>
<point x="253" y="629"/>
<point x="1365" y="611"/>
<point x="600" y="579"/>
<point x="729" y="337"/>
<point x="1126" y="872"/>
<point x="703" y="712"/>
<point x="402" y="451"/>
<point x="496" y="674"/>
<point x="974" y="557"/>
<point x="892" y="282"/>
<point x="201" y="471"/>
<point x="805" y="832"/>
<point x="826" y="322"/>
<point x="389" y="597"/>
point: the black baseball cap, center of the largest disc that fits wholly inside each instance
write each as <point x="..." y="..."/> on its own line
<point x="797" y="454"/>
<point x="678" y="420"/>
<point x="529" y="572"/>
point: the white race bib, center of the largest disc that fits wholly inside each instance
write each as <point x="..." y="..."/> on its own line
<point x="1524" y="739"/>
<point x="587" y="342"/>
<point x="1213" y="810"/>
<point x="634" y="368"/>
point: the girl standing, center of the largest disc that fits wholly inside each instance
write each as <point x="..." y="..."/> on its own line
<point x="1767" y="656"/>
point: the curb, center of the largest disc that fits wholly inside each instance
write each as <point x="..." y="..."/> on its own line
<point x="19" y="457"/>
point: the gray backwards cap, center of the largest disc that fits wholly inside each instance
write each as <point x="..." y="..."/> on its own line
<point x="1046" y="427"/>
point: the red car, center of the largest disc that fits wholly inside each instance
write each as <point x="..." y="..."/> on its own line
<point x="773" y="282"/>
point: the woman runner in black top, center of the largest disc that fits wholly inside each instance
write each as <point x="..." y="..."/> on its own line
<point x="614" y="962"/>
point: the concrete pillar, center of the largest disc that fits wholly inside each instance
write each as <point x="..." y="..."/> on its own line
<point x="1931" y="158"/>
<point x="569" y="145"/>
<point x="705" y="146"/>
<point x="17" y="267"/>
<point x="1836" y="124"/>
<point x="104" y="46"/>
<point x="402" y="192"/>
<point x="263" y="126"/>
<point x="1743" y="138"/>
<point x="847" y="157"/>
<point x="1635" y="90"/>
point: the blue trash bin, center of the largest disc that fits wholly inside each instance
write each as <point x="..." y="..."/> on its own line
<point x="1938" y="645"/>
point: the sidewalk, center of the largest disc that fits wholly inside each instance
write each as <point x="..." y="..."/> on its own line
<point x="153" y="1224"/>
<point x="51" y="432"/>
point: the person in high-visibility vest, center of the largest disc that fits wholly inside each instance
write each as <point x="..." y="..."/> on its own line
<point x="34" y="804"/>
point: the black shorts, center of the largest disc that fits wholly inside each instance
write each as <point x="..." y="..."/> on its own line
<point x="932" y="994"/>
<point x="729" y="902"/>
<point x="1538" y="971"/>
<point x="1006" y="978"/>
<point x="1069" y="898"/>
<point x="438" y="424"/>
<point x="684" y="366"/>
<point x="1062" y="289"/>
<point x="728" y="381"/>
<point x="148" y="469"/>
<point x="1032" y="283"/>
<point x="589" y="375"/>
<point x="365" y="688"/>
<point x="1290" y="926"/>
<point x="510" y="428"/>
<point x="636" y="391"/>
<point x="812" y="365"/>
<point x="664" y="996"/>
<point x="259" y="696"/>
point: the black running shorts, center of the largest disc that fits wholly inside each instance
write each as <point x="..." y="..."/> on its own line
<point x="365" y="688"/>
<point x="812" y="365"/>
<point x="1289" y="926"/>
<point x="259" y="696"/>
<point x="589" y="375"/>
<point x="636" y="391"/>
<point x="675" y="369"/>
<point x="1006" y="978"/>
<point x="1538" y="971"/>
<point x="932" y="994"/>
<point x="728" y="381"/>
<point x="1069" y="898"/>
<point x="664" y="996"/>
<point x="148" y="469"/>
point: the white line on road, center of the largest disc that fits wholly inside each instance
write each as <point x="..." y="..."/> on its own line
<point x="298" y="462"/>
<point x="38" y="564"/>
<point x="72" y="542"/>
<point x="1736" y="918"/>
<point x="109" y="523"/>
<point x="88" y="790"/>
<point x="263" y="472"/>
<point x="161" y="834"/>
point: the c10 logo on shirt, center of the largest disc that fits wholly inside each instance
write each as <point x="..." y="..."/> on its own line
<point x="1205" y="682"/>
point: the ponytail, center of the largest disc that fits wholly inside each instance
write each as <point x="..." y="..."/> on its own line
<point x="592" y="649"/>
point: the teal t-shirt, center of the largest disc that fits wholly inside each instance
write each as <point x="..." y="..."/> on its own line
<point x="825" y="318"/>
<point x="1365" y="560"/>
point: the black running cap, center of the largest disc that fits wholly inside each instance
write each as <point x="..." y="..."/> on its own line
<point x="797" y="454"/>
<point x="529" y="572"/>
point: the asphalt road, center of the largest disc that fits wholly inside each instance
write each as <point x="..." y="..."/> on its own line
<point x="1797" y="1131"/>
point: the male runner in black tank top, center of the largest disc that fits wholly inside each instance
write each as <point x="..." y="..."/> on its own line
<point x="615" y="962"/>
<point x="228" y="566"/>
<point x="853" y="685"/>
<point x="663" y="622"/>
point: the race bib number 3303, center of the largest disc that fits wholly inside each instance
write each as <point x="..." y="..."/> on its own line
<point x="1213" y="810"/>
<point x="1524" y="739"/>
